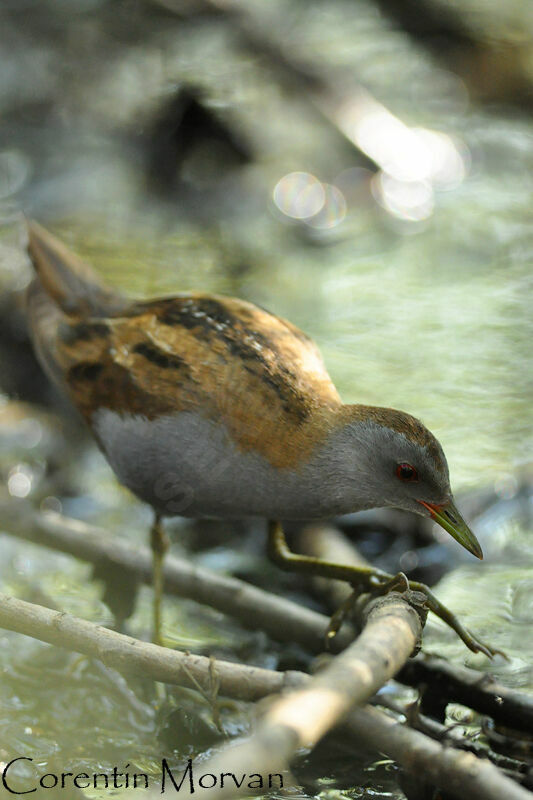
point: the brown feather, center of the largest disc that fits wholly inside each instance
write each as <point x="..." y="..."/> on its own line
<point x="221" y="357"/>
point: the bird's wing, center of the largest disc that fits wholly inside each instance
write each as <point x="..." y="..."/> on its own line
<point x="224" y="358"/>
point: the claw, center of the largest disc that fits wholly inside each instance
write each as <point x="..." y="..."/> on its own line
<point x="377" y="585"/>
<point x="479" y="647"/>
<point x="398" y="583"/>
<point x="450" y="619"/>
<point x="366" y="580"/>
<point x="338" y="618"/>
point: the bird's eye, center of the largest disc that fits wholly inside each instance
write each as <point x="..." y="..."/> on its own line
<point x="406" y="472"/>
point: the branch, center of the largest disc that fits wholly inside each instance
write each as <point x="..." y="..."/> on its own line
<point x="456" y="683"/>
<point x="449" y="734"/>
<point x="131" y="656"/>
<point x="460" y="772"/>
<point x="471" y="688"/>
<point x="282" y="619"/>
<point x="300" y="719"/>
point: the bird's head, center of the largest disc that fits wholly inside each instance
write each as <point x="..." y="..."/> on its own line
<point x="401" y="464"/>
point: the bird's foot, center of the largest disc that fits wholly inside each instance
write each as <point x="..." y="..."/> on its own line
<point x="376" y="585"/>
<point x="379" y="583"/>
<point x="365" y="580"/>
<point x="474" y="644"/>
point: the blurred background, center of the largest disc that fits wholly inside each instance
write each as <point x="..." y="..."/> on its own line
<point x="361" y="167"/>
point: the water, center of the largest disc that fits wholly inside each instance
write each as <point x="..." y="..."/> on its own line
<point x="431" y="315"/>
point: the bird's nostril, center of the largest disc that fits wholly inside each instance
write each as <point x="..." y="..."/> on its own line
<point x="450" y="517"/>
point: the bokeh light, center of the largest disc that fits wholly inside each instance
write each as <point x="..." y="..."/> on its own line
<point x="299" y="195"/>
<point x="332" y="212"/>
<point x="449" y="159"/>
<point x="19" y="482"/>
<point x="407" y="154"/>
<point x="302" y="196"/>
<point x="413" y="201"/>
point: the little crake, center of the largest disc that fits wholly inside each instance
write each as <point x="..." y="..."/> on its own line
<point x="210" y="406"/>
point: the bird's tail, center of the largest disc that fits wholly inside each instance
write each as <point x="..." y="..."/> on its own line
<point x="64" y="288"/>
<point x="44" y="319"/>
<point x="69" y="282"/>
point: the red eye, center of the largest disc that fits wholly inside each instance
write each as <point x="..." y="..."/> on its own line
<point x="406" y="472"/>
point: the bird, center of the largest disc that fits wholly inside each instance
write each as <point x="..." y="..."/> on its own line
<point x="210" y="406"/>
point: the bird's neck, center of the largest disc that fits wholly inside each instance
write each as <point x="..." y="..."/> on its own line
<point x="337" y="475"/>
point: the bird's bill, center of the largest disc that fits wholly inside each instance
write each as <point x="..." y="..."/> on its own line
<point x="449" y="518"/>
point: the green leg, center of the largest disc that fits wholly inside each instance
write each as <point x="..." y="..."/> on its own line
<point x="159" y="543"/>
<point x="450" y="619"/>
<point x="364" y="579"/>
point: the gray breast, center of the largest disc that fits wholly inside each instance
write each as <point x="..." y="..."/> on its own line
<point x="185" y="464"/>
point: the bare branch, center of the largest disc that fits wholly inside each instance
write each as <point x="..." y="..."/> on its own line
<point x="303" y="717"/>
<point x="456" y="683"/>
<point x="479" y="691"/>
<point x="461" y="774"/>
<point x="282" y="619"/>
<point x="131" y="656"/>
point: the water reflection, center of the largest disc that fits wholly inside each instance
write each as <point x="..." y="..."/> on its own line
<point x="437" y="322"/>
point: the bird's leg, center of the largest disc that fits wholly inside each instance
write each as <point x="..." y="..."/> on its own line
<point x="159" y="543"/>
<point x="362" y="578"/>
<point x="367" y="579"/>
<point x="397" y="583"/>
<point x="452" y="620"/>
<point x="359" y="577"/>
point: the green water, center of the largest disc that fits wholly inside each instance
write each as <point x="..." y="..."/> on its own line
<point x="431" y="316"/>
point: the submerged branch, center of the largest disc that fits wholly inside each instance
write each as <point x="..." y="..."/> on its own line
<point x="474" y="689"/>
